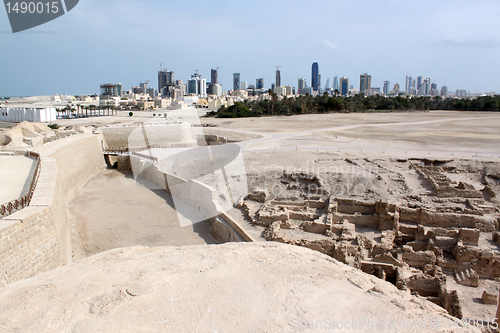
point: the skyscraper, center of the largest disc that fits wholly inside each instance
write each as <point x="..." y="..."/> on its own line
<point x="386" y="87"/>
<point x="301" y="86"/>
<point x="144" y="88"/>
<point x="236" y="81"/>
<point x="344" y="86"/>
<point x="420" y="80"/>
<point x="408" y="84"/>
<point x="315" y="76"/>
<point x="278" y="78"/>
<point x="194" y="84"/>
<point x="444" y="91"/>
<point x="214" y="77"/>
<point x="165" y="79"/>
<point x="259" y="83"/>
<point x="202" y="87"/>
<point x="365" y="84"/>
<point x="336" y="83"/>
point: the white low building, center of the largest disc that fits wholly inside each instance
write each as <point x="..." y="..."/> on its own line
<point x="28" y="114"/>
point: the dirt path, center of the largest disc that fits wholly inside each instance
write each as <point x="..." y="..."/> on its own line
<point x="113" y="211"/>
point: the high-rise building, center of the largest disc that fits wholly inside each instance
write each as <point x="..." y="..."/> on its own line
<point x="202" y="87"/>
<point x="365" y="84"/>
<point x="214" y="76"/>
<point x="244" y="85"/>
<point x="144" y="88"/>
<point x="315" y="76"/>
<point x="215" y="89"/>
<point x="444" y="91"/>
<point x="278" y="78"/>
<point x="119" y="89"/>
<point x="152" y="92"/>
<point x="327" y="85"/>
<point x="162" y="79"/>
<point x="236" y="81"/>
<point x="109" y="90"/>
<point x="259" y="83"/>
<point x="344" y="86"/>
<point x="193" y="86"/>
<point x="301" y="86"/>
<point x="165" y="78"/>
<point x="408" y="84"/>
<point x="386" y="87"/>
<point x="336" y="83"/>
<point x="420" y="80"/>
<point x="396" y="88"/>
<point x="425" y="88"/>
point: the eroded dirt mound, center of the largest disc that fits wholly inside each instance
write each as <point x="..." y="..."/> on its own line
<point x="247" y="287"/>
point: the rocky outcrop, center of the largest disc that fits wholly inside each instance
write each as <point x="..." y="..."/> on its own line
<point x="244" y="287"/>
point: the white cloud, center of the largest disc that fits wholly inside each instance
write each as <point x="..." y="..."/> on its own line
<point x="330" y="45"/>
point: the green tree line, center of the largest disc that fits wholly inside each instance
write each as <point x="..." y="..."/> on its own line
<point x="358" y="103"/>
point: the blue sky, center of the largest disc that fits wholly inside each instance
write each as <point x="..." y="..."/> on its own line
<point x="457" y="43"/>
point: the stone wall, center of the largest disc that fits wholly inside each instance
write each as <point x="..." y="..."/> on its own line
<point x="162" y="134"/>
<point x="191" y="198"/>
<point x="38" y="238"/>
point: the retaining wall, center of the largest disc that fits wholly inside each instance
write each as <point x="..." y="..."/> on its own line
<point x="194" y="196"/>
<point x="38" y="238"/>
<point x="150" y="134"/>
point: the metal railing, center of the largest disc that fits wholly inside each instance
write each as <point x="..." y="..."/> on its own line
<point x="127" y="150"/>
<point x="146" y="157"/>
<point x="18" y="204"/>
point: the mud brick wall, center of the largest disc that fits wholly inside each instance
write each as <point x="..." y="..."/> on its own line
<point x="38" y="238"/>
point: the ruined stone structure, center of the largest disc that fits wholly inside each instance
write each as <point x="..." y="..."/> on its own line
<point x="411" y="243"/>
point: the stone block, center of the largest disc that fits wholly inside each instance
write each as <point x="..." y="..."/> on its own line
<point x="469" y="236"/>
<point x="490" y="298"/>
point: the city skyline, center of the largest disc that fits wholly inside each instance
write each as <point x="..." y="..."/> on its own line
<point x="74" y="54"/>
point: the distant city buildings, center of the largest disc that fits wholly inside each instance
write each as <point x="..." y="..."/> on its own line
<point x="171" y="91"/>
<point x="344" y="86"/>
<point x="315" y="80"/>
<point x="197" y="85"/>
<point x="301" y="86"/>
<point x="236" y="81"/>
<point x="386" y="87"/>
<point x="408" y="84"/>
<point x="109" y="90"/>
<point x="165" y="79"/>
<point x="214" y="76"/>
<point x="396" y="88"/>
<point x="444" y="91"/>
<point x="336" y="83"/>
<point x="365" y="84"/>
<point x="259" y="83"/>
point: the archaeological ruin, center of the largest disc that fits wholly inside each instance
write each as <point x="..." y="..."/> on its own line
<point x="428" y="225"/>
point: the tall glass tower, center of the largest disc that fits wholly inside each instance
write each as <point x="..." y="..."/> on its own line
<point x="236" y="81"/>
<point x="315" y="76"/>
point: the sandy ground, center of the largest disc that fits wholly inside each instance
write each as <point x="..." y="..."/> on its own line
<point x="113" y="211"/>
<point x="14" y="177"/>
<point x="237" y="287"/>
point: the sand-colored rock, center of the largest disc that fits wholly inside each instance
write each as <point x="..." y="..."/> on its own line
<point x="244" y="287"/>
